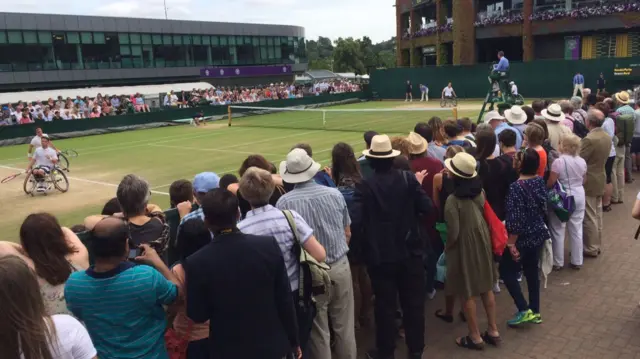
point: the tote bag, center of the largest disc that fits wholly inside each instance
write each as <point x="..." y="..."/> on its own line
<point x="496" y="228"/>
<point x="562" y="203"/>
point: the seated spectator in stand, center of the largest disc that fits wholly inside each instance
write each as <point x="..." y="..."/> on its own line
<point x="94" y="113"/>
<point x="433" y="150"/>
<point x="115" y="101"/>
<point x="26" y="118"/>
<point x="120" y="302"/>
<point x="194" y="236"/>
<point x="28" y="330"/>
<point x="53" y="252"/>
<point x="56" y="116"/>
<point x="140" y="105"/>
<point x="266" y="220"/>
<point x="240" y="325"/>
<point x="325" y="210"/>
<point x="321" y="177"/>
<point x="145" y="221"/>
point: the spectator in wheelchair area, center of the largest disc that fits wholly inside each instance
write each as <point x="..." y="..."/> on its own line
<point x="121" y="303"/>
<point x="53" y="252"/>
<point x="45" y="159"/>
<point x="146" y="222"/>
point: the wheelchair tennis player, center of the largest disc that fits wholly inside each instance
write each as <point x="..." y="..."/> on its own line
<point x="44" y="159"/>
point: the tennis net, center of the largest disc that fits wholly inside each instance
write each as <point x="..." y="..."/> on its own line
<point x="396" y="120"/>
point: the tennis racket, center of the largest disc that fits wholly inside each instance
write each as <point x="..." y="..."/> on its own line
<point x="9" y="178"/>
<point x="70" y="153"/>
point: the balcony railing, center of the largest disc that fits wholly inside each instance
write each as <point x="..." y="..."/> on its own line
<point x="500" y="17"/>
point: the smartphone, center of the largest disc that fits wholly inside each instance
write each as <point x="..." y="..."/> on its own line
<point x="134" y="252"/>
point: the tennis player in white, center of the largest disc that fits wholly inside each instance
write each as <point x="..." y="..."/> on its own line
<point x="44" y="159"/>
<point x="448" y="92"/>
<point x="36" y="142"/>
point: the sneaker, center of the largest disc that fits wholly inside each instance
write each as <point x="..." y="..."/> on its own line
<point x="41" y="187"/>
<point x="521" y="318"/>
<point x="537" y="318"/>
<point x="431" y="294"/>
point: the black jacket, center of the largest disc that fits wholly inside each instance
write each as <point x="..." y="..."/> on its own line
<point x="239" y="283"/>
<point x="385" y="221"/>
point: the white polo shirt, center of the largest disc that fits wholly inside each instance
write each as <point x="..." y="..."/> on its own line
<point x="44" y="157"/>
<point x="448" y="91"/>
<point x="36" y="141"/>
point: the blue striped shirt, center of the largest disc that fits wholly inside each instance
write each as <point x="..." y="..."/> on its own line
<point x="122" y="309"/>
<point x="270" y="221"/>
<point x="325" y="210"/>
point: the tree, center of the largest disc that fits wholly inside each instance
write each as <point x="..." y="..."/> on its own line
<point x="348" y="57"/>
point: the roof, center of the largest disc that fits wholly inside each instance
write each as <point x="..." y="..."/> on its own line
<point x="320" y="74"/>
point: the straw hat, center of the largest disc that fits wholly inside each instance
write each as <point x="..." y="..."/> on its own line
<point x="298" y="167"/>
<point x="380" y="148"/>
<point x="622" y="97"/>
<point x="418" y="143"/>
<point x="553" y="113"/>
<point x="462" y="165"/>
<point x="492" y="115"/>
<point x="515" y="115"/>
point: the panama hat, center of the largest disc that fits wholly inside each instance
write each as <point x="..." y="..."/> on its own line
<point x="515" y="115"/>
<point x="553" y="113"/>
<point x="381" y="148"/>
<point x="492" y="115"/>
<point x="298" y="167"/>
<point x="462" y="165"/>
<point x="622" y="97"/>
<point x="418" y="143"/>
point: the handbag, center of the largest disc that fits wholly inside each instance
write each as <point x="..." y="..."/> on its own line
<point x="177" y="345"/>
<point x="562" y="203"/>
<point x="497" y="230"/>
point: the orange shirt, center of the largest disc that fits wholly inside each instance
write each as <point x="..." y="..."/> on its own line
<point x="543" y="160"/>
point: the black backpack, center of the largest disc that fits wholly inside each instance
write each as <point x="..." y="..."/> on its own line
<point x="579" y="129"/>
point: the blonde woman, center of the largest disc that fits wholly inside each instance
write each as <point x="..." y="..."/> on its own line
<point x="571" y="170"/>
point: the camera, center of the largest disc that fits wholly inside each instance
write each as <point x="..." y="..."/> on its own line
<point x="134" y="252"/>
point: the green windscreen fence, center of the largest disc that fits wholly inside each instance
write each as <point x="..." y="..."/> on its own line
<point x="400" y="120"/>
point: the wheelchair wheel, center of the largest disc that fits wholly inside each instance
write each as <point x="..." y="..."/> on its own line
<point x="63" y="162"/>
<point x="30" y="184"/>
<point x="519" y="100"/>
<point x="59" y="180"/>
<point x="443" y="103"/>
<point x="454" y="102"/>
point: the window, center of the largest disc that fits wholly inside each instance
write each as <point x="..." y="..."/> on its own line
<point x="232" y="39"/>
<point x="15" y="37"/>
<point x="86" y="38"/>
<point x="186" y="39"/>
<point x="3" y="37"/>
<point x="167" y="40"/>
<point x="73" y="38"/>
<point x="30" y="37"/>
<point x="206" y="40"/>
<point x="135" y="39"/>
<point x="263" y="41"/>
<point x="156" y="39"/>
<point x="123" y="38"/>
<point x="177" y="40"/>
<point x="98" y="38"/>
<point x="255" y="41"/>
<point x="223" y="41"/>
<point x="66" y="50"/>
<point x="270" y="41"/>
<point x="197" y="40"/>
<point x="146" y="39"/>
<point x="215" y="40"/>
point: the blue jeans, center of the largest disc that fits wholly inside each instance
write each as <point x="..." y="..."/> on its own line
<point x="528" y="264"/>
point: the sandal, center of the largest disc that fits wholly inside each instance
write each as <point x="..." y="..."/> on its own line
<point x="495" y="341"/>
<point x="606" y="208"/>
<point x="444" y="317"/>
<point x="467" y="342"/>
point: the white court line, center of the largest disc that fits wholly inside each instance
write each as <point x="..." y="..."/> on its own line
<point x="213" y="150"/>
<point x="86" y="180"/>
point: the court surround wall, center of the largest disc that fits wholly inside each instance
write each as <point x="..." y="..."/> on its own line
<point x="536" y="79"/>
<point x="15" y="134"/>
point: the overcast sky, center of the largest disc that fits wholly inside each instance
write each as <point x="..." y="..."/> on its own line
<point x="330" y="18"/>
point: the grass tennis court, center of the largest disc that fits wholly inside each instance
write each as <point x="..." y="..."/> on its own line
<point x="166" y="154"/>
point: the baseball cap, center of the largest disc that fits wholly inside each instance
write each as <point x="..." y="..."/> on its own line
<point x="492" y="115"/>
<point x="205" y="182"/>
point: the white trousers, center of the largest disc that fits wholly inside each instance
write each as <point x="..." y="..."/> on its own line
<point x="574" y="227"/>
<point x="425" y="96"/>
<point x="577" y="87"/>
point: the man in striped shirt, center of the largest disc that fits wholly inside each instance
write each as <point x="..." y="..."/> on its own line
<point x="325" y="210"/>
<point x="120" y="302"/>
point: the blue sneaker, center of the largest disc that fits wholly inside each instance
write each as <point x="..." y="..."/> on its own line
<point x="521" y="318"/>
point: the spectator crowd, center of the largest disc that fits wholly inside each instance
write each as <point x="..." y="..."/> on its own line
<point x="290" y="260"/>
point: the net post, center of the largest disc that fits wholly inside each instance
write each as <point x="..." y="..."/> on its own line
<point x="229" y="115"/>
<point x="324" y="118"/>
<point x="455" y="113"/>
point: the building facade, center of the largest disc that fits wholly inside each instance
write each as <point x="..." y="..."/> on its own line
<point x="464" y="32"/>
<point x="43" y="51"/>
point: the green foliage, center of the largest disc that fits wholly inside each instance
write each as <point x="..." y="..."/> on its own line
<point x="360" y="56"/>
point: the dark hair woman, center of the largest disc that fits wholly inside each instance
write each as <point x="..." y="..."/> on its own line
<point x="526" y="208"/>
<point x="27" y="331"/>
<point x="437" y="128"/>
<point x="54" y="252"/>
<point x="345" y="170"/>
<point x="470" y="268"/>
